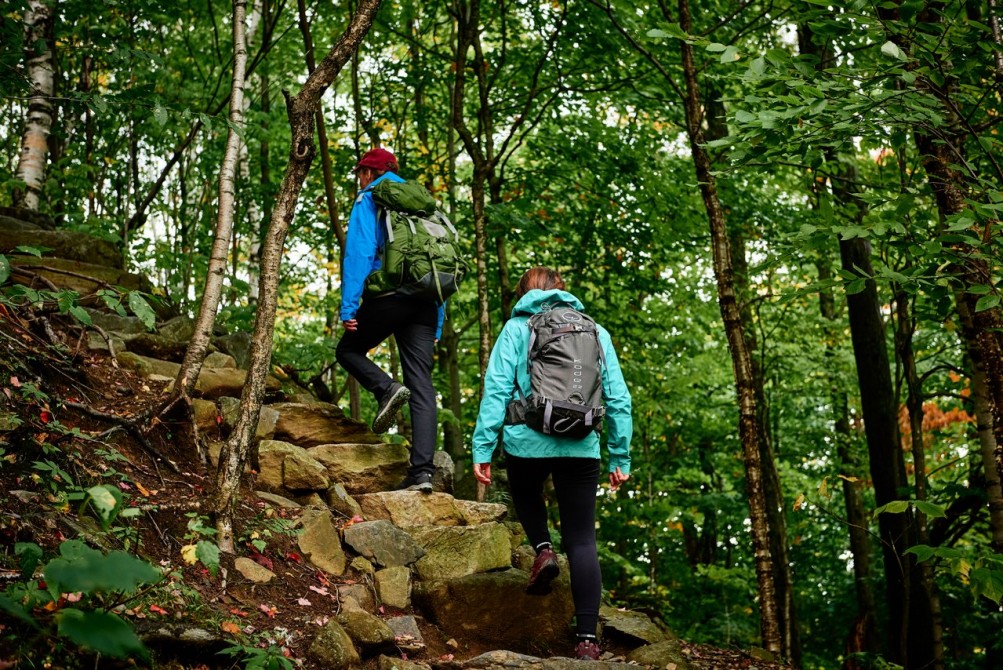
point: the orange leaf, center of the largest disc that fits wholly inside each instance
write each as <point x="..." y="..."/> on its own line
<point x="230" y="627"/>
<point x="142" y="489"/>
<point x="267" y="609"/>
<point x="157" y="609"/>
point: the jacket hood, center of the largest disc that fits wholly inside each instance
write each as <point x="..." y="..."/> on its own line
<point x="536" y="300"/>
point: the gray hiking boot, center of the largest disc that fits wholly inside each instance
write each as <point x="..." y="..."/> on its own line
<point x="390" y="403"/>
<point x="419" y="482"/>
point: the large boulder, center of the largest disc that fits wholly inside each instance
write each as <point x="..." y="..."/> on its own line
<point x="333" y="648"/>
<point x="320" y="543"/>
<point x="84" y="278"/>
<point x="509" y="660"/>
<point x="60" y="243"/>
<point x="664" y="654"/>
<point x="369" y="633"/>
<point x="314" y="424"/>
<point x="457" y="551"/>
<point x="383" y="543"/>
<point x="413" y="508"/>
<point x="362" y="467"/>
<point x="634" y="628"/>
<point x="493" y="607"/>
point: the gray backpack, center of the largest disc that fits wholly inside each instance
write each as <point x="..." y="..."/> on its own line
<point x="565" y="361"/>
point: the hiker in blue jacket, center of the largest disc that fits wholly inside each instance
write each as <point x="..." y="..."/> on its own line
<point x="532" y="456"/>
<point x="415" y="324"/>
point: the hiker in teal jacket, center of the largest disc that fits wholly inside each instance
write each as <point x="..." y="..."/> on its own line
<point x="532" y="456"/>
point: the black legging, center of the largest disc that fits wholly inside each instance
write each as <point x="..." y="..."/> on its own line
<point x="575" y="482"/>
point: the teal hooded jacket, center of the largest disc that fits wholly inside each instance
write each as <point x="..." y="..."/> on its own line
<point x="508" y="364"/>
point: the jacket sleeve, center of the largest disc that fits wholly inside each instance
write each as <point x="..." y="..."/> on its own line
<point x="619" y="423"/>
<point x="499" y="384"/>
<point x="360" y="251"/>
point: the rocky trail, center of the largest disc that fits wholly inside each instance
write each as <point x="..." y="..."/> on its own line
<point x="333" y="569"/>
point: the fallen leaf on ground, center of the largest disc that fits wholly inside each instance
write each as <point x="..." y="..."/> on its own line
<point x="157" y="609"/>
<point x="304" y="602"/>
<point x="267" y="609"/>
<point x="188" y="554"/>
<point x="230" y="627"/>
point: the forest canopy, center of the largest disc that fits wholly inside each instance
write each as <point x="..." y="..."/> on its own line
<point x="784" y="212"/>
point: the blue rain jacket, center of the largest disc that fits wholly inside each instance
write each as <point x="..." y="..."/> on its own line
<point x="363" y="242"/>
<point x="508" y="362"/>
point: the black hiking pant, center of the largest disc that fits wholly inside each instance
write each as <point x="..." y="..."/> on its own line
<point x="575" y="483"/>
<point x="412" y="322"/>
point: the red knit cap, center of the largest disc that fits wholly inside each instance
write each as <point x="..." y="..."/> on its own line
<point x="377" y="159"/>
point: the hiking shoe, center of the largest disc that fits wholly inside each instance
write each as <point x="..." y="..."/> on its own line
<point x="419" y="482"/>
<point x="392" y="400"/>
<point x="544" y="570"/>
<point x="587" y="650"/>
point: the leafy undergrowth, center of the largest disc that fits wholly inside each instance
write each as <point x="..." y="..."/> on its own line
<point x="83" y="495"/>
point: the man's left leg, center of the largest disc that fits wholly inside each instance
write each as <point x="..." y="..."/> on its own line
<point x="416" y="345"/>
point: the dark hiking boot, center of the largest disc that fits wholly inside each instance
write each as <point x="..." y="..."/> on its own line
<point x="419" y="482"/>
<point x="587" y="650"/>
<point x="544" y="570"/>
<point x="392" y="400"/>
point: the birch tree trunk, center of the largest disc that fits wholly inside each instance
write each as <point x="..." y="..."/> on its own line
<point x="38" y="24"/>
<point x="199" y="344"/>
<point x="301" y="109"/>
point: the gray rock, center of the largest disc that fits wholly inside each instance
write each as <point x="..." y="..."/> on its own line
<point x="493" y="607"/>
<point x="481" y="512"/>
<point x="229" y="409"/>
<point x="393" y="586"/>
<point x="369" y="633"/>
<point x="363" y="565"/>
<point x="333" y="648"/>
<point x="383" y="543"/>
<point x="357" y="596"/>
<point x="97" y="342"/>
<point x="62" y="243"/>
<point x="363" y="467"/>
<point x="277" y="500"/>
<point x="391" y="663"/>
<point x="456" y="551"/>
<point x="178" y="329"/>
<point x="113" y="323"/>
<point x="412" y="508"/>
<point x="508" y="660"/>
<point x="218" y="359"/>
<point x="237" y="345"/>
<point x="632" y="627"/>
<point x="314" y="424"/>
<point x="342" y="503"/>
<point x="255" y="572"/>
<point x="84" y="278"/>
<point x="664" y="654"/>
<point x="406" y="631"/>
<point x="320" y="543"/>
<point x="442" y="477"/>
<point x="146" y="366"/>
<point x="206" y="416"/>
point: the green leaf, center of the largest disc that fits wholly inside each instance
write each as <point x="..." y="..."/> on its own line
<point x="892" y="50"/>
<point x="31" y="251"/>
<point x="987" y="582"/>
<point x="894" y="507"/>
<point x="716" y="46"/>
<point x="987" y="302"/>
<point x="730" y="54"/>
<point x="142" y="309"/>
<point x="106" y="500"/>
<point x="930" y="509"/>
<point x="81" y="315"/>
<point x="16" y="609"/>
<point x="31" y="556"/>
<point x="103" y="632"/>
<point x="922" y="552"/>
<point x="4" y="269"/>
<point x="208" y="553"/>
<point x="160" y="114"/>
<point x="83" y="569"/>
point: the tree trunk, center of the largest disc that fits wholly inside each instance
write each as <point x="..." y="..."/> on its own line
<point x="741" y="361"/>
<point x="984" y="427"/>
<point x="199" y="344"/>
<point x="301" y="110"/>
<point x="914" y="406"/>
<point x="39" y="60"/>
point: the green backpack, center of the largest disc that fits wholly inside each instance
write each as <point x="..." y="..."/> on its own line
<point x="421" y="256"/>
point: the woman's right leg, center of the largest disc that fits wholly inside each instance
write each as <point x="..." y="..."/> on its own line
<point x="525" y="478"/>
<point x="575" y="483"/>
